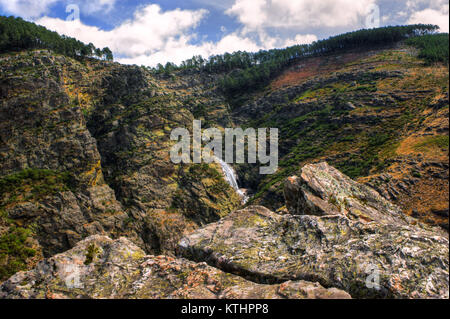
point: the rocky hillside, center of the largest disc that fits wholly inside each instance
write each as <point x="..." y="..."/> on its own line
<point x="84" y="154"/>
<point x="85" y="150"/>
<point x="320" y="248"/>
<point x="336" y="232"/>
<point x="380" y="116"/>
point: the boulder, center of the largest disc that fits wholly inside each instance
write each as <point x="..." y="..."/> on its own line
<point x="338" y="232"/>
<point x="323" y="190"/>
<point x="99" y="267"/>
<point x="368" y="260"/>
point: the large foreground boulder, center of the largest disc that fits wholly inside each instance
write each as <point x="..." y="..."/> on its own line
<point x="368" y="260"/>
<point x="339" y="233"/>
<point x="99" y="267"/>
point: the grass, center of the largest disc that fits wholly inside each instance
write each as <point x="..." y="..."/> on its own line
<point x="37" y="183"/>
<point x="202" y="188"/>
<point x="91" y="252"/>
<point x="440" y="141"/>
<point x="366" y="148"/>
<point x="14" y="251"/>
<point x="30" y="184"/>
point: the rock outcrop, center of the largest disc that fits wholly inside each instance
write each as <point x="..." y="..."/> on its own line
<point x="99" y="267"/>
<point x="84" y="150"/>
<point x="365" y="248"/>
<point x="318" y="249"/>
<point x="323" y="190"/>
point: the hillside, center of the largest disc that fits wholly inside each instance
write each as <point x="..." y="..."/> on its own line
<point x="380" y="116"/>
<point x="84" y="151"/>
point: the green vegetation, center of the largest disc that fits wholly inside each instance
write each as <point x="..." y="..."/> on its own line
<point x="272" y="62"/>
<point x="14" y="251"/>
<point x="416" y="174"/>
<point x="201" y="187"/>
<point x="433" y="47"/>
<point x="250" y="71"/>
<point x="441" y="141"/>
<point x="37" y="182"/>
<point x="205" y="171"/>
<point x="17" y="34"/>
<point x="320" y="131"/>
<point x="91" y="252"/>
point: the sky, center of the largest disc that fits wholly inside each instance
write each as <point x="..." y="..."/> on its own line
<point x="158" y="31"/>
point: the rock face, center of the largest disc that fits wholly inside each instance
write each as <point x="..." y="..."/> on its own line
<point x="84" y="150"/>
<point x="66" y="217"/>
<point x="367" y="250"/>
<point x="316" y="250"/>
<point x="99" y="267"/>
<point x="106" y="127"/>
<point x="323" y="190"/>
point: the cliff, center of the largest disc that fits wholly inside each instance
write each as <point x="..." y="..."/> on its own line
<point x="325" y="251"/>
<point x="84" y="151"/>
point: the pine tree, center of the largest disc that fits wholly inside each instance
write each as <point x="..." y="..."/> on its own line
<point x="17" y="34"/>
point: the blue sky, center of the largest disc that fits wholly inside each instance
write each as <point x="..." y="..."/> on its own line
<point x="157" y="31"/>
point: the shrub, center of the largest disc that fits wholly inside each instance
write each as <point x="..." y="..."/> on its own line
<point x="14" y="251"/>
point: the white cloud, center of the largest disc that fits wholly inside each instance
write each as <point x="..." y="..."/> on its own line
<point x="429" y="12"/>
<point x="300" y="39"/>
<point x="27" y="8"/>
<point x="36" y="8"/>
<point x="154" y="36"/>
<point x="260" y="14"/>
<point x="430" y="4"/>
<point x="181" y="49"/>
<point x="430" y="16"/>
<point x="178" y="51"/>
<point x="92" y="6"/>
<point x="77" y="30"/>
<point x="150" y="31"/>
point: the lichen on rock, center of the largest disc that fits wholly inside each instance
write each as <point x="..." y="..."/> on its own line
<point x="331" y="247"/>
<point x="122" y="270"/>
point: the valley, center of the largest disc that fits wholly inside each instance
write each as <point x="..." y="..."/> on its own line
<point x="84" y="162"/>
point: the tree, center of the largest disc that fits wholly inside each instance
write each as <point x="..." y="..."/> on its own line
<point x="17" y="34"/>
<point x="98" y="53"/>
<point x="159" y="68"/>
<point x="107" y="54"/>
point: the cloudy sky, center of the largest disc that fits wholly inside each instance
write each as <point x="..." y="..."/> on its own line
<point x="150" y="32"/>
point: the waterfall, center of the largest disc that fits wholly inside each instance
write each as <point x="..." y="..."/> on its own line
<point x="231" y="178"/>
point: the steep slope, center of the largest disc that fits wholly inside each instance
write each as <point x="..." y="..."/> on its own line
<point x="337" y="232"/>
<point x="70" y="130"/>
<point x="378" y="115"/>
<point x="52" y="183"/>
<point x="84" y="145"/>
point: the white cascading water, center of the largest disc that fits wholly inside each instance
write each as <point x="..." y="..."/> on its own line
<point x="230" y="176"/>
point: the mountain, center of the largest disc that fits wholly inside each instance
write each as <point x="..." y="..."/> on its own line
<point x="84" y="154"/>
